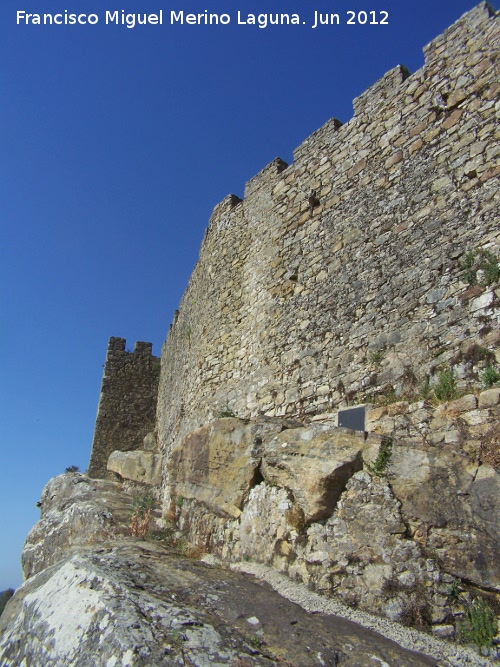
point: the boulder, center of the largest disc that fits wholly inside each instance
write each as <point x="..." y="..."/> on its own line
<point x="219" y="463"/>
<point x="315" y="463"/>
<point x="138" y="466"/>
<point x="456" y="503"/>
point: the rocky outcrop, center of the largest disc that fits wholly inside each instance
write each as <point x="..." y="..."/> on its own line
<point x="75" y="511"/>
<point x="129" y="603"/>
<point x="314" y="465"/>
<point x="135" y="604"/>
<point x="219" y="463"/>
<point x="387" y="525"/>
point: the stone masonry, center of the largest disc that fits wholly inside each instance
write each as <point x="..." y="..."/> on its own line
<point x="341" y="277"/>
<point x="127" y="405"/>
<point x="363" y="273"/>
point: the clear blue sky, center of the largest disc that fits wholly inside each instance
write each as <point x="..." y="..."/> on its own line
<point x="116" y="144"/>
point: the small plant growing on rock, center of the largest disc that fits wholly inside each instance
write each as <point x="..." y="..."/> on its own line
<point x="72" y="469"/>
<point x="162" y="535"/>
<point x="140" y="517"/>
<point x="224" y="413"/>
<point x="454" y="589"/>
<point x="415" y="611"/>
<point x="255" y="642"/>
<point x="480" y="624"/>
<point x="490" y="376"/>
<point x="425" y="389"/>
<point x="446" y="387"/>
<point x="490" y="267"/>
<point x="383" y="457"/>
<point x="483" y="261"/>
<point x="375" y="358"/>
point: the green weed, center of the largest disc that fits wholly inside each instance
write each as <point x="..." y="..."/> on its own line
<point x="481" y="260"/>
<point x="224" y="413"/>
<point x="446" y="387"/>
<point x="480" y="624"/>
<point x="383" y="457"/>
<point x="490" y="376"/>
<point x="375" y="358"/>
<point x="143" y="505"/>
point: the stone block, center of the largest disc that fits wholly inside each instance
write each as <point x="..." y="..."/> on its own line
<point x="149" y="442"/>
<point x="483" y="301"/>
<point x="463" y="404"/>
<point x="489" y="398"/>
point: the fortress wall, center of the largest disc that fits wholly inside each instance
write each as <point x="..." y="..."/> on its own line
<point x="340" y="276"/>
<point x="127" y="404"/>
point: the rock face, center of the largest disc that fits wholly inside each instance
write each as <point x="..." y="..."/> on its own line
<point x="131" y="603"/>
<point x="307" y="500"/>
<point x="75" y="511"/>
<point x="137" y="605"/>
<point x="218" y="464"/>
<point x="314" y="466"/>
<point x="137" y="466"/>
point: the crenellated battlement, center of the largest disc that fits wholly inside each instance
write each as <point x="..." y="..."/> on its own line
<point x="318" y="141"/>
<point x="119" y="345"/>
<point x="450" y="52"/>
<point x="353" y="250"/>
<point x="455" y="41"/>
<point x="382" y="91"/>
<point x="265" y="177"/>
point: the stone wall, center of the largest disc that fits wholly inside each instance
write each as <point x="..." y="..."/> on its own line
<point x="364" y="273"/>
<point x="342" y="276"/>
<point x="127" y="404"/>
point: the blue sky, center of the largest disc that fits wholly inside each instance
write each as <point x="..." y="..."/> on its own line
<point x="116" y="144"/>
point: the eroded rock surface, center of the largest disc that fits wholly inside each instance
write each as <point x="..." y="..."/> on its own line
<point x="129" y="603"/>
<point x="136" y="604"/>
<point x="75" y="510"/>
<point x="218" y="464"/>
<point x="308" y="502"/>
<point x="138" y="466"/>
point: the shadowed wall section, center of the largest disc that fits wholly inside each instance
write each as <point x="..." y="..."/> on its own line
<point x="127" y="405"/>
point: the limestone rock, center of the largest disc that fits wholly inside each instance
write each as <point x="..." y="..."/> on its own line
<point x="218" y="464"/>
<point x="314" y="463"/>
<point x="136" y="604"/>
<point x="264" y="522"/>
<point x="364" y="546"/>
<point x="457" y="505"/>
<point x="133" y="603"/>
<point x="150" y="443"/>
<point x="75" y="510"/>
<point x="138" y="465"/>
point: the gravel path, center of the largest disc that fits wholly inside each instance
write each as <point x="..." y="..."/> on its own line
<point x="448" y="654"/>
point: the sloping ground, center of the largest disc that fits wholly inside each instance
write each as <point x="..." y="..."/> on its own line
<point x="97" y="597"/>
<point x="134" y="603"/>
